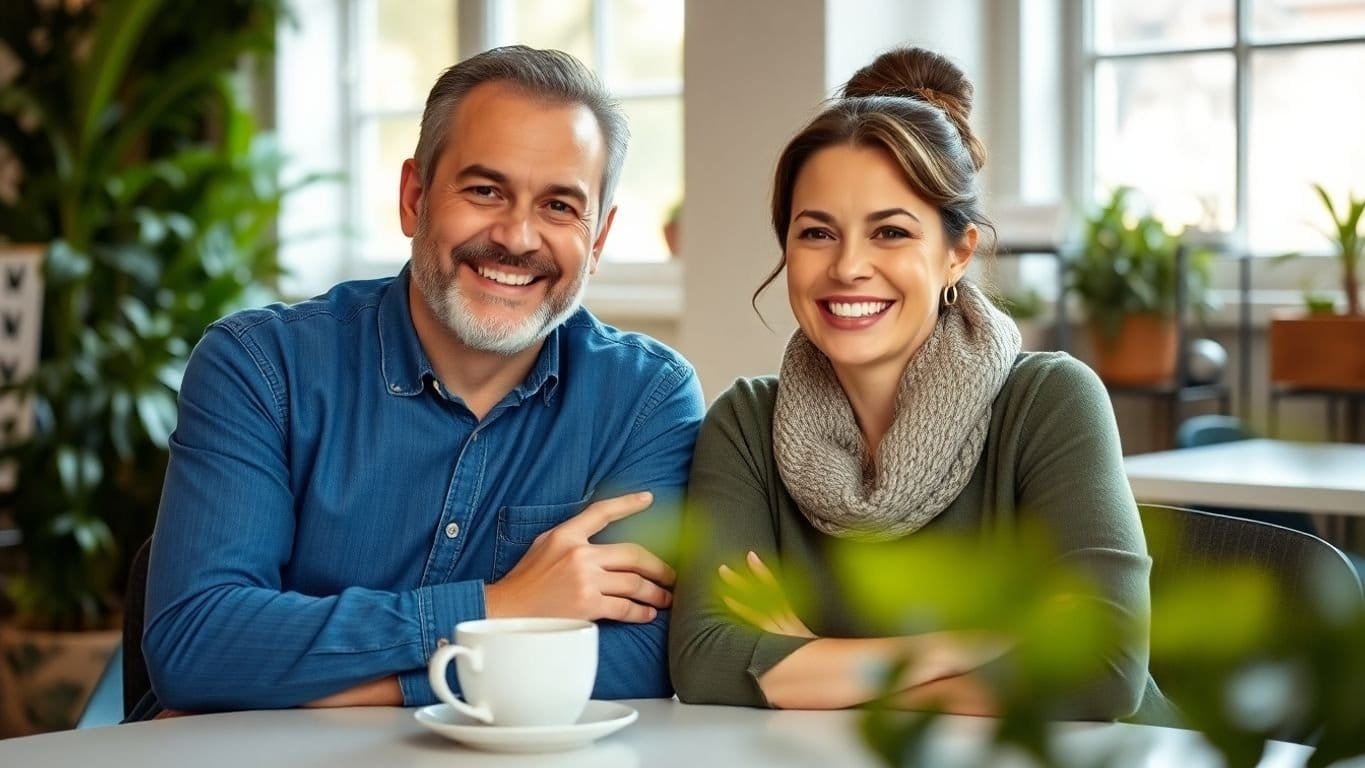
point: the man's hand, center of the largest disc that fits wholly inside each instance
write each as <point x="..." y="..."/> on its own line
<point x="563" y="574"/>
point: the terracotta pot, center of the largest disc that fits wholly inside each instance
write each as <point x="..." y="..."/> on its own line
<point x="1318" y="351"/>
<point x="47" y="677"/>
<point x="1142" y="354"/>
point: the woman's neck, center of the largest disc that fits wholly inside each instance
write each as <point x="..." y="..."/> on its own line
<point x="872" y="391"/>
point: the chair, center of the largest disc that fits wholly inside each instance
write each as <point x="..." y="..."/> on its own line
<point x="124" y="680"/>
<point x="1211" y="429"/>
<point x="1302" y="565"/>
<point x="136" y="684"/>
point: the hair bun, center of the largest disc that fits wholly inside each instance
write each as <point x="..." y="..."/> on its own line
<point x="918" y="73"/>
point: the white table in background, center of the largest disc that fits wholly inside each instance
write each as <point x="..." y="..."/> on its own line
<point x="1272" y="475"/>
<point x="667" y="734"/>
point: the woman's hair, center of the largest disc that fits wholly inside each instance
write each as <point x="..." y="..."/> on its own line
<point x="914" y="103"/>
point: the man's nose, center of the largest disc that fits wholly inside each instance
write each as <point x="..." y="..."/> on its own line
<point x="515" y="230"/>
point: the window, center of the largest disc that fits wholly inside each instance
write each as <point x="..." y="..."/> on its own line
<point x="635" y="46"/>
<point x="1223" y="112"/>
<point x="364" y="122"/>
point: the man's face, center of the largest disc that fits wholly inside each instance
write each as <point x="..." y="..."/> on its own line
<point x="505" y="235"/>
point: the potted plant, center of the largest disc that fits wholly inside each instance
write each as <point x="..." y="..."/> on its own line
<point x="1321" y="348"/>
<point x="1125" y="273"/>
<point x="143" y="175"/>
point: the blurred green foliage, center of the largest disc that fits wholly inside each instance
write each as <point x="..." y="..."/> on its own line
<point x="144" y="172"/>
<point x="1241" y="657"/>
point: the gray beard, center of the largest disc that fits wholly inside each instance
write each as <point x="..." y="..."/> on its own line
<point x="452" y="307"/>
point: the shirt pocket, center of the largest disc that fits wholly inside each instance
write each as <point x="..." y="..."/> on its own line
<point x="518" y="527"/>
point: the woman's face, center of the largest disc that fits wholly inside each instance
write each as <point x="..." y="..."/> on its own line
<point x="867" y="259"/>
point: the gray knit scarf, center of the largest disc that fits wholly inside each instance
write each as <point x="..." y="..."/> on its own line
<point x="926" y="458"/>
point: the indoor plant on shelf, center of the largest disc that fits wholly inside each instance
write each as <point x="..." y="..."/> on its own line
<point x="1326" y="350"/>
<point x="144" y="176"/>
<point x="1125" y="271"/>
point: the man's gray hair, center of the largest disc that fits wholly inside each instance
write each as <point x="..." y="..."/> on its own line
<point x="547" y="74"/>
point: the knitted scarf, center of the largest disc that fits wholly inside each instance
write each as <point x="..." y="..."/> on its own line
<point x="926" y="458"/>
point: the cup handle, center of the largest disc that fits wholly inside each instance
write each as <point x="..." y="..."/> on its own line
<point x="436" y="673"/>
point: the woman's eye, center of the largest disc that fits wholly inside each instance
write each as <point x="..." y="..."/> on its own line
<point x="891" y="233"/>
<point x="815" y="233"/>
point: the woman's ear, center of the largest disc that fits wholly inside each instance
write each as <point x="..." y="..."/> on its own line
<point x="960" y="255"/>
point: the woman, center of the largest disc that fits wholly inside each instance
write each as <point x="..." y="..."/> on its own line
<point x="903" y="405"/>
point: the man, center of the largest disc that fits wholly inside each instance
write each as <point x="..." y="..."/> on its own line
<point x="353" y="475"/>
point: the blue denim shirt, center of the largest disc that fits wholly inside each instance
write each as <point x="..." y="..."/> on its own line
<point x="330" y="512"/>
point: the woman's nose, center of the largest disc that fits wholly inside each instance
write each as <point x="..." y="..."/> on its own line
<point x="851" y="265"/>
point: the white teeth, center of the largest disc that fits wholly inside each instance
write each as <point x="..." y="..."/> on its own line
<point x="504" y="277"/>
<point x="858" y="308"/>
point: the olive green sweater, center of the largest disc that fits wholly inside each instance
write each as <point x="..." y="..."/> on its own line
<point x="1052" y="449"/>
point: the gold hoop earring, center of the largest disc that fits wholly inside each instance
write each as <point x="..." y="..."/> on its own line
<point x="949" y="297"/>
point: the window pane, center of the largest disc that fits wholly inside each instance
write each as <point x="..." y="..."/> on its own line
<point x="1165" y="126"/>
<point x="1300" y="19"/>
<point x="1305" y="128"/>
<point x="644" y="43"/>
<point x="565" y="25"/>
<point x="1127" y="24"/>
<point x="651" y="183"/>
<point x="406" y="44"/>
<point x="382" y="146"/>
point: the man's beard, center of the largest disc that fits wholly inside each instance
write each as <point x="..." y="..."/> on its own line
<point x="453" y="308"/>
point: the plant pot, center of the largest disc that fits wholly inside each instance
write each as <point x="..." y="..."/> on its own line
<point x="1141" y="354"/>
<point x="1317" y="351"/>
<point x="46" y="677"/>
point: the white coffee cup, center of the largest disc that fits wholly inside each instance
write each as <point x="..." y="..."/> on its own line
<point x="519" y="671"/>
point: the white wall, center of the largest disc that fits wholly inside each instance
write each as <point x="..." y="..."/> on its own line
<point x="754" y="71"/>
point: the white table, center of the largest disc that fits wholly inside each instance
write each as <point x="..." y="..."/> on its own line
<point x="667" y="734"/>
<point x="1274" y="475"/>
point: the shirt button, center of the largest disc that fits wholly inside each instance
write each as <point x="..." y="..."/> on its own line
<point x="452" y="530"/>
<point x="442" y="643"/>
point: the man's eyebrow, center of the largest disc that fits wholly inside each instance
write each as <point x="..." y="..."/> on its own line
<point x="566" y="190"/>
<point x="888" y="213"/>
<point x="476" y="170"/>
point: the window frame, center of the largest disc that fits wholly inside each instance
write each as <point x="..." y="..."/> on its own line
<point x="647" y="290"/>
<point x="1242" y="48"/>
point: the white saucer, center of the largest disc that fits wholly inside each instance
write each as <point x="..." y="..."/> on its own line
<point x="599" y="718"/>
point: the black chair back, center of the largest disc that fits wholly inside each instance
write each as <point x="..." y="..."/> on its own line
<point x="1302" y="566"/>
<point x="135" y="681"/>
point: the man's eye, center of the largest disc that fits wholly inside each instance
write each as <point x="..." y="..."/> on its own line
<point x="483" y="191"/>
<point x="559" y="206"/>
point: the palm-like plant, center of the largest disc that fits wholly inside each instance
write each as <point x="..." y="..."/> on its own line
<point x="1349" y="241"/>
<point x="143" y="171"/>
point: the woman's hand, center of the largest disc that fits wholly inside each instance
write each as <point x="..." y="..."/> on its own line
<point x="758" y="599"/>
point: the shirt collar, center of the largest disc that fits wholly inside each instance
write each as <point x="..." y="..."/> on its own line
<point x="406" y="368"/>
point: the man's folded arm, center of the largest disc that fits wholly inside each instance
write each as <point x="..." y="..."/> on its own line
<point x="658" y="457"/>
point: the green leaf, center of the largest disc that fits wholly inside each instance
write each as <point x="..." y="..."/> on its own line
<point x="79" y="470"/>
<point x="156" y="411"/>
<point x="121" y="24"/>
<point x="65" y="264"/>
